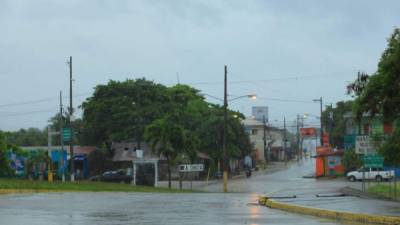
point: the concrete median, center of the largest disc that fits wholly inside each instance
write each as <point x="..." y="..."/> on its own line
<point x="331" y="214"/>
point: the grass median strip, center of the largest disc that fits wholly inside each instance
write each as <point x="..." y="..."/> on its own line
<point x="19" y="186"/>
<point x="384" y="190"/>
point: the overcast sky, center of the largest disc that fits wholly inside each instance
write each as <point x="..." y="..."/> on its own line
<point x="294" y="52"/>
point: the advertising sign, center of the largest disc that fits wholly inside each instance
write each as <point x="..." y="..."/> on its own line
<point x="308" y="132"/>
<point x="260" y="113"/>
<point x="364" y="145"/>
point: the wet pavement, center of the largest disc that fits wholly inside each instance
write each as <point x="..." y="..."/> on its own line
<point x="290" y="182"/>
<point x="237" y="207"/>
<point x="142" y="208"/>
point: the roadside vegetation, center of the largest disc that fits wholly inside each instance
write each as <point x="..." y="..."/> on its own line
<point x="17" y="185"/>
<point x="386" y="190"/>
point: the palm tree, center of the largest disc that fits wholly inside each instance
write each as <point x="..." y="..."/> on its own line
<point x="166" y="138"/>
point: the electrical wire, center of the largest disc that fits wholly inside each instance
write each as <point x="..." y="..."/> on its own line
<point x="41" y="100"/>
<point x="27" y="113"/>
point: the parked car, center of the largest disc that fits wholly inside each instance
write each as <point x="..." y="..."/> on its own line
<point x="374" y="173"/>
<point x="113" y="176"/>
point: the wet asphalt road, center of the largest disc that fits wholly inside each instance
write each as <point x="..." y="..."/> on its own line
<point x="137" y="208"/>
<point x="291" y="182"/>
<point x="203" y="208"/>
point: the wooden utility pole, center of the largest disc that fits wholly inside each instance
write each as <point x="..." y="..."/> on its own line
<point x="266" y="154"/>
<point x="225" y="161"/>
<point x="61" y="158"/>
<point x="71" y="111"/>
<point x="322" y="125"/>
<point x="284" y="139"/>
<point x="298" y="137"/>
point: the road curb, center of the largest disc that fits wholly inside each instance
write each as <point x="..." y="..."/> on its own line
<point x="331" y="214"/>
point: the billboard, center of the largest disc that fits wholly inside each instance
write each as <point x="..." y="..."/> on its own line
<point x="260" y="112"/>
<point x="364" y="145"/>
<point x="308" y="132"/>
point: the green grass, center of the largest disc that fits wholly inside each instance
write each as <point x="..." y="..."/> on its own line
<point x="384" y="190"/>
<point x="80" y="186"/>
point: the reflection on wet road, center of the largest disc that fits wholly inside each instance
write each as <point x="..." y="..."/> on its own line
<point x="203" y="208"/>
<point x="137" y="208"/>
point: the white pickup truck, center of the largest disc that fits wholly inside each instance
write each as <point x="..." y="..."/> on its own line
<point x="373" y="173"/>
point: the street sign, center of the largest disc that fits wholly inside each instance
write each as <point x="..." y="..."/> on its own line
<point x="67" y="134"/>
<point x="364" y="145"/>
<point x="373" y="161"/>
<point x="191" y="167"/>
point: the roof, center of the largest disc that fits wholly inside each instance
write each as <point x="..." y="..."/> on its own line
<point x="251" y="122"/>
<point x="202" y="155"/>
<point x="127" y="151"/>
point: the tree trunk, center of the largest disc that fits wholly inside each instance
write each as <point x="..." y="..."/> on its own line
<point x="169" y="172"/>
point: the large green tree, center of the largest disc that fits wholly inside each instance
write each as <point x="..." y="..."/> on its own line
<point x="122" y="110"/>
<point x="379" y="94"/>
<point x="26" y="137"/>
<point x="335" y="123"/>
<point x="5" y="169"/>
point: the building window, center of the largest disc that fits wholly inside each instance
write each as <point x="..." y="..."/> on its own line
<point x="254" y="132"/>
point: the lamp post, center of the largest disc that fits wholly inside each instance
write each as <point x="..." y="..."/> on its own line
<point x="224" y="131"/>
<point x="322" y="128"/>
<point x="225" y="157"/>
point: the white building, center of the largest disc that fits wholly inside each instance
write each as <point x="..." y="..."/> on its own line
<point x="274" y="139"/>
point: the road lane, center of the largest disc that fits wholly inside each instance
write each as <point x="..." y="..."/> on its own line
<point x="291" y="182"/>
<point x="143" y="208"/>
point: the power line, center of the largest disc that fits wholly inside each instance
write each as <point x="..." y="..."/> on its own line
<point x="40" y="101"/>
<point x="27" y="113"/>
<point x="261" y="80"/>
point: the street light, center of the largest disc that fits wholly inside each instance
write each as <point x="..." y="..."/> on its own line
<point x="225" y="173"/>
<point x="225" y="107"/>
<point x="322" y="128"/>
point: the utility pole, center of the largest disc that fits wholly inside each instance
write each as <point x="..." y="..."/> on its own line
<point x="71" y="111"/>
<point x="298" y="137"/>
<point x="322" y="126"/>
<point x="284" y="139"/>
<point x="331" y="125"/>
<point x="225" y="161"/>
<point x="61" y="137"/>
<point x="266" y="155"/>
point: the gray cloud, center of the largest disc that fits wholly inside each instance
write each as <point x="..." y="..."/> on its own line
<point x="258" y="40"/>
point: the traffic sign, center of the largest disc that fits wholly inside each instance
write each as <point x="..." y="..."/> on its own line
<point x="373" y="161"/>
<point x="67" y="134"/>
<point x="191" y="167"/>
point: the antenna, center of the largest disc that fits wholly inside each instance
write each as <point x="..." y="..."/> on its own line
<point x="177" y="77"/>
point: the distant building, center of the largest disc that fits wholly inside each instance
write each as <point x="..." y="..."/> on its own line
<point x="367" y="126"/>
<point x="274" y="140"/>
<point x="260" y="113"/>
